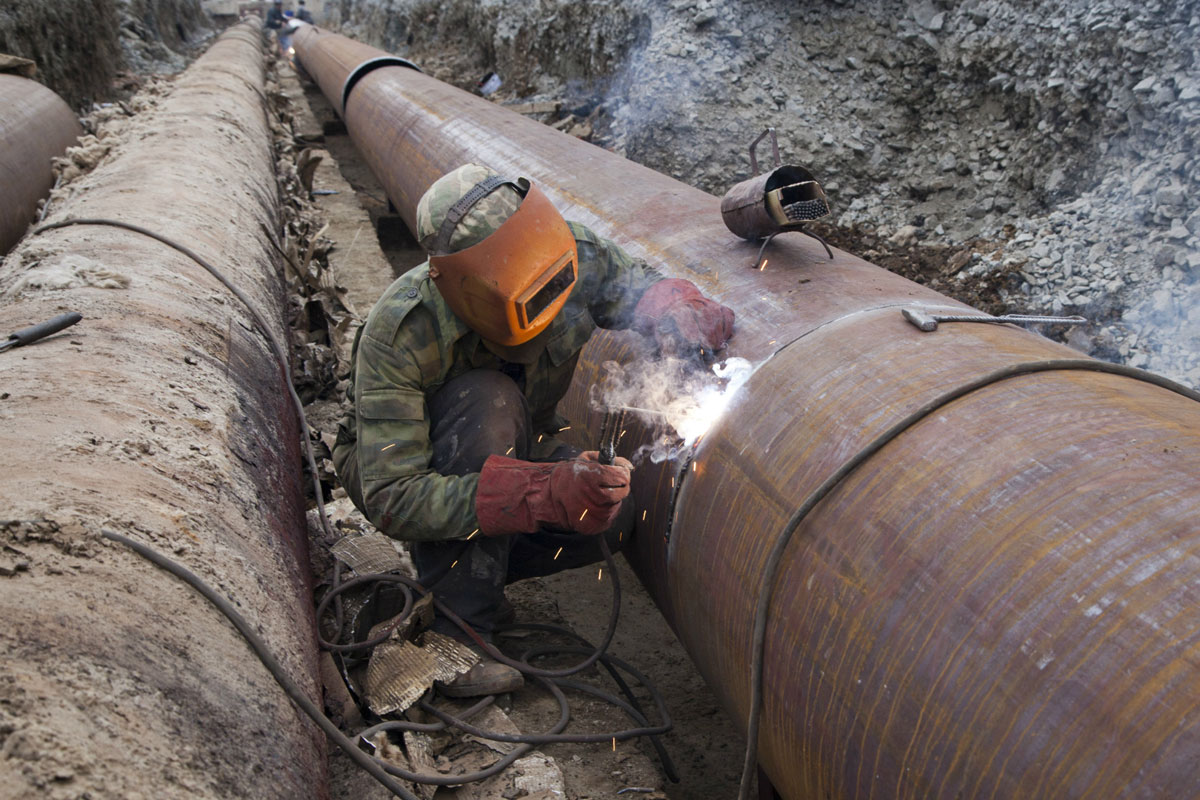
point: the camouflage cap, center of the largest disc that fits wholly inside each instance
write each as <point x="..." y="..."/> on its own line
<point x="480" y="222"/>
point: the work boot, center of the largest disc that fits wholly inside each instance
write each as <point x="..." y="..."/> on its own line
<point x="489" y="676"/>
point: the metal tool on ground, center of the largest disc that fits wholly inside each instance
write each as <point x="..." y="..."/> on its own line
<point x="40" y="331"/>
<point x="929" y="322"/>
<point x="610" y="432"/>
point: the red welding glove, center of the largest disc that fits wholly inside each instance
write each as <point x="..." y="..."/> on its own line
<point x="581" y="495"/>
<point x="680" y="319"/>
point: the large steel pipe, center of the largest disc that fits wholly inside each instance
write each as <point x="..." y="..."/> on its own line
<point x="35" y="127"/>
<point x="162" y="416"/>
<point x="1001" y="602"/>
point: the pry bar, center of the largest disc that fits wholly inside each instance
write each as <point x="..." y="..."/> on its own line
<point x="929" y="322"/>
<point x="40" y="331"/>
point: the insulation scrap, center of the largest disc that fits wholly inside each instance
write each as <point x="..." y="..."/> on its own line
<point x="367" y="554"/>
<point x="400" y="672"/>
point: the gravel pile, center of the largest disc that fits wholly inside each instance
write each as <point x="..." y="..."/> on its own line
<point x="1056" y="142"/>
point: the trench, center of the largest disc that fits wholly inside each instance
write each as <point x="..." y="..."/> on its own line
<point x="705" y="746"/>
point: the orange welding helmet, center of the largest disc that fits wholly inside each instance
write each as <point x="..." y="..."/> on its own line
<point x="500" y="254"/>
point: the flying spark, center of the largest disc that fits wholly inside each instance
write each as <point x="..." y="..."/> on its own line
<point x="471" y="535"/>
<point x="559" y="553"/>
<point x="763" y="265"/>
<point x="600" y="574"/>
<point x="584" y="514"/>
<point x="387" y="447"/>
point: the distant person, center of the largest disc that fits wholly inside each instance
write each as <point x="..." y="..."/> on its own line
<point x="275" y="17"/>
<point x="303" y="14"/>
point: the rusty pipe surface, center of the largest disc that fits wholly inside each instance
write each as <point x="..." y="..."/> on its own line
<point x="36" y="126"/>
<point x="1001" y="602"/>
<point x="162" y="416"/>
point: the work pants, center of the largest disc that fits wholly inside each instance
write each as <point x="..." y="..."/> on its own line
<point x="476" y="415"/>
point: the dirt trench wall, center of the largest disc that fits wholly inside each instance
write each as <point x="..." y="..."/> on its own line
<point x="533" y="46"/>
<point x="162" y="416"/>
<point x="79" y="46"/>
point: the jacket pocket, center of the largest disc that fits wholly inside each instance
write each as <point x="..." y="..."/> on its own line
<point x="397" y="404"/>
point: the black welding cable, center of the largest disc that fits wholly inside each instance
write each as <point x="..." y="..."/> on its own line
<point x="770" y="570"/>
<point x="336" y="592"/>
<point x="613" y="615"/>
<point x="276" y="347"/>
<point x="425" y="727"/>
<point x="611" y="663"/>
<point x="297" y="695"/>
<point x="281" y="359"/>
<point x="551" y="680"/>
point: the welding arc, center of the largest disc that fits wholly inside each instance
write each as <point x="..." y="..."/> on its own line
<point x="552" y="680"/>
<point x="775" y="558"/>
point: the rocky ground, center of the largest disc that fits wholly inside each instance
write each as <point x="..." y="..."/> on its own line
<point x="1036" y="162"/>
<point x="1039" y="162"/>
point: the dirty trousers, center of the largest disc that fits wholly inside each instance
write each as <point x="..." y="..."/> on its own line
<point x="478" y="414"/>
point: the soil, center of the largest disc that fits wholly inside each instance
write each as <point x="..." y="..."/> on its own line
<point x="1026" y="162"/>
<point x="1020" y="162"/>
<point x="160" y="417"/>
<point x="95" y="51"/>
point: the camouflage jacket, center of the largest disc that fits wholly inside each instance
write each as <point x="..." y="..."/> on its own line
<point x="412" y="344"/>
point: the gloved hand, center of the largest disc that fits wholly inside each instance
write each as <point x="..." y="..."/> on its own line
<point x="580" y="495"/>
<point x="682" y="320"/>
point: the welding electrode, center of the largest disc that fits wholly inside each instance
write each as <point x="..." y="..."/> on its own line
<point x="41" y="330"/>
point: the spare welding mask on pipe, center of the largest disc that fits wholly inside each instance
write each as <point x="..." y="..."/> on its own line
<point x="509" y="286"/>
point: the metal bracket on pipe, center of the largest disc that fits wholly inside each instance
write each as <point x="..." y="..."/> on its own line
<point x="929" y="322"/>
<point x="370" y="64"/>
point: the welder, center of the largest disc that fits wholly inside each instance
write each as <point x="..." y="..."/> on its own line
<point x="450" y="442"/>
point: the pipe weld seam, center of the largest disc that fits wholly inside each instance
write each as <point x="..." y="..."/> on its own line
<point x="775" y="559"/>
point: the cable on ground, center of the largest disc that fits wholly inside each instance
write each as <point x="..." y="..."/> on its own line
<point x="378" y="768"/>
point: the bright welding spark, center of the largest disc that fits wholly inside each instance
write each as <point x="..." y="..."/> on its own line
<point x="584" y="514"/>
<point x="600" y="574"/>
<point x="540" y="435"/>
<point x="672" y="481"/>
<point x="387" y="447"/>
<point x="455" y="564"/>
<point x="509" y="450"/>
<point x="763" y="265"/>
<point x="709" y="404"/>
<point x="643" y="515"/>
<point x="620" y="535"/>
<point x="563" y="428"/>
<point x="471" y="535"/>
<point x="693" y="466"/>
<point x="614" y="744"/>
<point x="559" y="553"/>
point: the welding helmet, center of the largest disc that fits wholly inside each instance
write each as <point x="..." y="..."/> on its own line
<point x="500" y="254"/>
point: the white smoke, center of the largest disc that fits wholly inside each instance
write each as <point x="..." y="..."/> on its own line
<point x="677" y="402"/>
